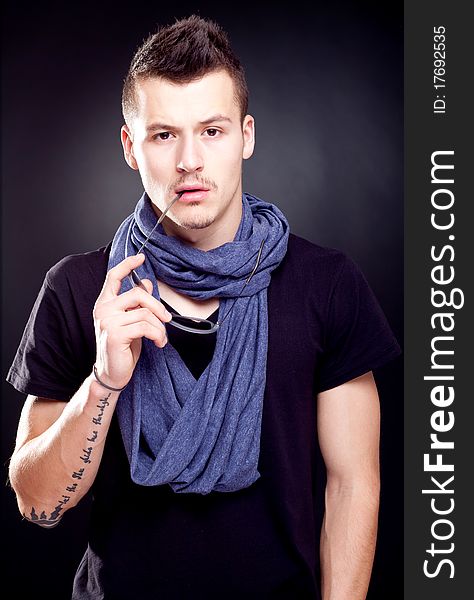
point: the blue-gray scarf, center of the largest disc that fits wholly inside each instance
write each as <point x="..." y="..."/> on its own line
<point x="203" y="435"/>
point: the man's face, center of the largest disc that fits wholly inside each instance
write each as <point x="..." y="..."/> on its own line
<point x="190" y="136"/>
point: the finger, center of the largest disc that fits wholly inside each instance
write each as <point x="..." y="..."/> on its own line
<point x="137" y="297"/>
<point x="131" y="332"/>
<point x="148" y="285"/>
<point x="130" y="317"/>
<point x="113" y="279"/>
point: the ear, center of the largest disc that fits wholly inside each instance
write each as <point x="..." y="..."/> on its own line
<point x="248" y="132"/>
<point x="127" y="145"/>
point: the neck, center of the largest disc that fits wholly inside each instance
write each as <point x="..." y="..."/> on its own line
<point x="221" y="231"/>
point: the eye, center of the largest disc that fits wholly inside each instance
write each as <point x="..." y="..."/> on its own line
<point x="212" y="132"/>
<point x="163" y="135"/>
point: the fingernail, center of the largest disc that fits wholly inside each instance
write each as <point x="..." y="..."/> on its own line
<point x="168" y="314"/>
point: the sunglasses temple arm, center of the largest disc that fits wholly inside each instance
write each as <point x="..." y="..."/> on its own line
<point x="135" y="280"/>
<point x="163" y="214"/>
<point x="220" y="321"/>
<point x="246" y="281"/>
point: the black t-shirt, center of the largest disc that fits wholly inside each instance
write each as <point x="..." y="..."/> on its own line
<point x="195" y="350"/>
<point x="325" y="328"/>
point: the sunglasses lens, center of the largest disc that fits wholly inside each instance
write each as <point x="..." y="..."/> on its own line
<point x="190" y="324"/>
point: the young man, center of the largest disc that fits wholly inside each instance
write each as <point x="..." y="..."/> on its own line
<point x="201" y="448"/>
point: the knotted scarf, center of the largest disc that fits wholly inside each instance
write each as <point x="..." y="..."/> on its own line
<point x="202" y="436"/>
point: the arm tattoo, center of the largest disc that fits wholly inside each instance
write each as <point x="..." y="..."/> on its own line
<point x="55" y="516"/>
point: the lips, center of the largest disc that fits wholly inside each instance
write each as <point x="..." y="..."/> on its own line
<point x="191" y="188"/>
<point x="192" y="193"/>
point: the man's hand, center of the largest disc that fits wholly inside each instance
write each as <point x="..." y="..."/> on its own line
<point x="120" y="322"/>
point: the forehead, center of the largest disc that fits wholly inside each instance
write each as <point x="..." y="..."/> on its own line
<point x="158" y="98"/>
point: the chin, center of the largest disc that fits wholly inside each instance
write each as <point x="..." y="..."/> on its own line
<point x="194" y="221"/>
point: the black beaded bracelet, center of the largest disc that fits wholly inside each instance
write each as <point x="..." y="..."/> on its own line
<point x="105" y="385"/>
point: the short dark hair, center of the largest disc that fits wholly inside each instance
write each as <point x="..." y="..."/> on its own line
<point x="183" y="52"/>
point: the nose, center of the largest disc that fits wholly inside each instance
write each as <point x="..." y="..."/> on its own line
<point x="189" y="159"/>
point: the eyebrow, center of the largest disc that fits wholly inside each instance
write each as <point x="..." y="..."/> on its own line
<point x="164" y="126"/>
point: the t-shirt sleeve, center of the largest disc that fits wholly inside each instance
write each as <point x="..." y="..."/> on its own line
<point x="54" y="354"/>
<point x="358" y="338"/>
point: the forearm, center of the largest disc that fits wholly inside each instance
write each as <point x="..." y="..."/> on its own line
<point x="348" y="538"/>
<point x="50" y="473"/>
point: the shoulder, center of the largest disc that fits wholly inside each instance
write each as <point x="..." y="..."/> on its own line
<point x="87" y="268"/>
<point x="311" y="278"/>
<point x="312" y="263"/>
<point x="327" y="275"/>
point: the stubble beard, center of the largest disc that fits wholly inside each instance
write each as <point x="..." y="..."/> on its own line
<point x="192" y="219"/>
<point x="195" y="221"/>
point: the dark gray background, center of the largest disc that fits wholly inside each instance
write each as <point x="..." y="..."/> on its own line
<point x="326" y="90"/>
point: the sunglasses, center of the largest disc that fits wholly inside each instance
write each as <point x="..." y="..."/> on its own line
<point x="186" y="323"/>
